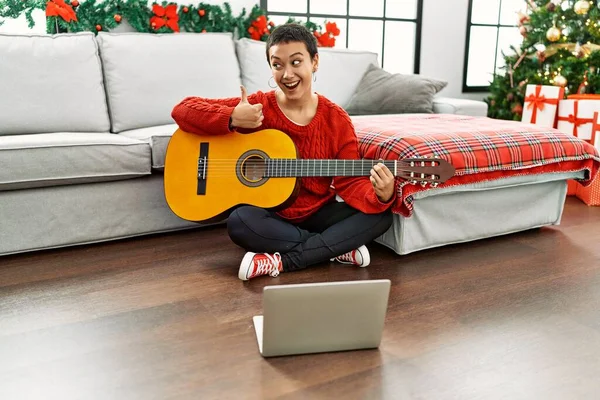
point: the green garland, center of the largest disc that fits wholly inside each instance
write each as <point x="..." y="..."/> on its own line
<point x="14" y="8"/>
<point x="537" y="64"/>
<point x="106" y="15"/>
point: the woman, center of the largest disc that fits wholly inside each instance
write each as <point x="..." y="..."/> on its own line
<point x="315" y="228"/>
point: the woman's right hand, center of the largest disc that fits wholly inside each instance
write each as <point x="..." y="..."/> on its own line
<point x="246" y="115"/>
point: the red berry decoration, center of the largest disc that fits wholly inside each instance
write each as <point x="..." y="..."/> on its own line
<point x="523" y="31"/>
<point x="75" y="3"/>
<point x="118" y="18"/>
<point x="203" y="30"/>
<point x="185" y="9"/>
<point x="517" y="109"/>
<point x="201" y="13"/>
<point x="98" y="27"/>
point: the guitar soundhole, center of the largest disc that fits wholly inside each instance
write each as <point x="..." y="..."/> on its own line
<point x="251" y="168"/>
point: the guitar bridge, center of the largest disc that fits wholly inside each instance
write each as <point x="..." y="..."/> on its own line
<point x="202" y="169"/>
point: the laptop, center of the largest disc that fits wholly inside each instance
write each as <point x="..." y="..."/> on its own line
<point x="321" y="317"/>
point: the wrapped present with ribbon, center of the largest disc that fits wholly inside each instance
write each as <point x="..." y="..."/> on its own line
<point x="576" y="117"/>
<point x="595" y="140"/>
<point x="572" y="186"/>
<point x="572" y="124"/>
<point x="590" y="195"/>
<point x="541" y="104"/>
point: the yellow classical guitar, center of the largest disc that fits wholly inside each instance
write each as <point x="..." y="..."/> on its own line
<point x="207" y="176"/>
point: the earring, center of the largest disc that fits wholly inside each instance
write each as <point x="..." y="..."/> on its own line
<point x="314" y="76"/>
<point x="269" y="83"/>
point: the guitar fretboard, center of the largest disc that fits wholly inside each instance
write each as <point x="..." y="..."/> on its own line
<point x="311" y="167"/>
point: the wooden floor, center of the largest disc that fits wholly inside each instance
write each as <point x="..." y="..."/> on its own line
<point x="165" y="317"/>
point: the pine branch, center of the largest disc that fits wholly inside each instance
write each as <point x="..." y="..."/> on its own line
<point x="14" y="8"/>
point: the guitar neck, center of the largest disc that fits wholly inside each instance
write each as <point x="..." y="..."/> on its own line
<point x="279" y="167"/>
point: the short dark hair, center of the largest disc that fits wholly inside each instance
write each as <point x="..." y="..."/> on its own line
<point x="292" y="32"/>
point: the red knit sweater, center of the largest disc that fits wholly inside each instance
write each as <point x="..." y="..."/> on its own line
<point x="330" y="135"/>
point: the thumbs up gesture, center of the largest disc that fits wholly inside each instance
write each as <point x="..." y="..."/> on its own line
<point x="246" y="115"/>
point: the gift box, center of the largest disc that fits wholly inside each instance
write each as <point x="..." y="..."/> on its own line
<point x="541" y="104"/>
<point x="576" y="116"/>
<point x="595" y="140"/>
<point x="572" y="186"/>
<point x="590" y="195"/>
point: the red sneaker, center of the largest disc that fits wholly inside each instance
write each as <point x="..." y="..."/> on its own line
<point x="359" y="257"/>
<point x="258" y="264"/>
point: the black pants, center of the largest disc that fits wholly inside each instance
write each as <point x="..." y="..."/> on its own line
<point x="334" y="230"/>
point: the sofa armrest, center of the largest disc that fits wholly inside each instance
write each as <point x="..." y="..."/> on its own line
<point x="447" y="105"/>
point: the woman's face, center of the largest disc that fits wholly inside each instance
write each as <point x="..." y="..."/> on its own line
<point x="292" y="69"/>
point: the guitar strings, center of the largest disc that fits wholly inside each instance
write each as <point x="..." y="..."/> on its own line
<point x="338" y="162"/>
<point x="292" y="168"/>
<point x="294" y="173"/>
<point x="226" y="165"/>
<point x="304" y="161"/>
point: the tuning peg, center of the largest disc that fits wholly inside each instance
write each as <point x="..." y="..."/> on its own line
<point x="414" y="182"/>
<point x="423" y="183"/>
<point x="434" y="184"/>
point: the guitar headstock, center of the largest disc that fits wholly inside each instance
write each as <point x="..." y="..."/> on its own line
<point x="425" y="170"/>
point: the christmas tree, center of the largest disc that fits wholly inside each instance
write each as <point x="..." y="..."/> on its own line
<point x="561" y="46"/>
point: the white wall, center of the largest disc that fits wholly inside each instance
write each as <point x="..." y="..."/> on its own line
<point x="442" y="42"/>
<point x="19" y="25"/>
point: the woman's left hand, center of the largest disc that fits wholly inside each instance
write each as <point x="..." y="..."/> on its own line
<point x="382" y="180"/>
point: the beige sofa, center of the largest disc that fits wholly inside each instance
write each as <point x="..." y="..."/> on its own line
<point x="85" y="122"/>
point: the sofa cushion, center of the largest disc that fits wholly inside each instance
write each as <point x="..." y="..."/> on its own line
<point x="381" y="92"/>
<point x="340" y="70"/>
<point x="253" y="63"/>
<point x="449" y="105"/>
<point x="158" y="137"/>
<point x="61" y="158"/>
<point x="148" y="74"/>
<point x="51" y="83"/>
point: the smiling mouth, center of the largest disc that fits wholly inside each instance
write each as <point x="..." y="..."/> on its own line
<point x="291" y="85"/>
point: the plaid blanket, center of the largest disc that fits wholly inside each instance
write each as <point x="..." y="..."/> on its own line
<point x="481" y="149"/>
